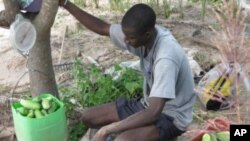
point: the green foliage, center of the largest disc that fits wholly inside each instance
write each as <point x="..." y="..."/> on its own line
<point x="92" y="87"/>
<point x="77" y="132"/>
<point x="204" y="4"/>
<point x="119" y="5"/>
<point x="167" y="8"/>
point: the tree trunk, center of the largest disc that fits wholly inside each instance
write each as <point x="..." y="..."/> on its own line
<point x="42" y="77"/>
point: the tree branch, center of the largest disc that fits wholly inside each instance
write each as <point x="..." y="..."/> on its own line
<point x="3" y="22"/>
<point x="8" y="15"/>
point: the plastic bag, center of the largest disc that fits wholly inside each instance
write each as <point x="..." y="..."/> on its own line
<point x="24" y="3"/>
<point x="30" y="5"/>
<point x="216" y="87"/>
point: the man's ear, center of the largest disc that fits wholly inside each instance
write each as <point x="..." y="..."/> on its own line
<point x="148" y="34"/>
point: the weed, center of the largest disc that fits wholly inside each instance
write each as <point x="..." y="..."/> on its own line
<point x="167" y="8"/>
<point x="77" y="132"/>
<point x="92" y="87"/>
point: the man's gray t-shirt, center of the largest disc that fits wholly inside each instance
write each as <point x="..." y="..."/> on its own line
<point x="166" y="74"/>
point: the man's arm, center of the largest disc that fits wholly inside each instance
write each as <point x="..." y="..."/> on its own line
<point x="93" y="23"/>
<point x="140" y="119"/>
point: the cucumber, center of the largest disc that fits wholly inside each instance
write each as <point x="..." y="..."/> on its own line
<point x="49" y="98"/>
<point x="53" y="108"/>
<point x="46" y="103"/>
<point x="38" y="114"/>
<point x="206" y="137"/>
<point x="31" y="114"/>
<point x="44" y="112"/>
<point x="37" y="99"/>
<point x="213" y="136"/>
<point x="30" y="104"/>
<point x="23" y="111"/>
<point x="223" y="135"/>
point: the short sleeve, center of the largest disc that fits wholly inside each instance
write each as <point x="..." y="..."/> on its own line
<point x="165" y="77"/>
<point x="117" y="36"/>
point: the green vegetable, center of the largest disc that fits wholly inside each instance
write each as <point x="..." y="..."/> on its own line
<point x="37" y="99"/>
<point x="223" y="136"/>
<point x="30" y="104"/>
<point x="23" y="111"/>
<point x="213" y="137"/>
<point x="206" y="137"/>
<point x="44" y="112"/>
<point x="38" y="114"/>
<point x="53" y="108"/>
<point x="49" y="98"/>
<point x="31" y="114"/>
<point x="46" y="103"/>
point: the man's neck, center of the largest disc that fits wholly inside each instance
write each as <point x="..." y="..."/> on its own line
<point x="150" y="43"/>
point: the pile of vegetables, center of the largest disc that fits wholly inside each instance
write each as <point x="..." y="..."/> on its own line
<point x="37" y="107"/>
<point x="214" y="130"/>
<point x="216" y="136"/>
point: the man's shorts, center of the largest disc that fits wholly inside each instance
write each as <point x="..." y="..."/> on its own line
<point x="125" y="108"/>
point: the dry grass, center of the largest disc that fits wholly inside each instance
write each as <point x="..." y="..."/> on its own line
<point x="230" y="41"/>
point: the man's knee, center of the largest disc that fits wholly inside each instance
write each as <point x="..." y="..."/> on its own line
<point x="88" y="119"/>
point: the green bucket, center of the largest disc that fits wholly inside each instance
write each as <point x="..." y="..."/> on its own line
<point x="52" y="127"/>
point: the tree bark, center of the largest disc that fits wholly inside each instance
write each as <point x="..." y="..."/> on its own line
<point x="42" y="77"/>
<point x="7" y="16"/>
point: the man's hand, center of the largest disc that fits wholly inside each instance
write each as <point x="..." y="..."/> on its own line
<point x="100" y="135"/>
<point x="62" y="2"/>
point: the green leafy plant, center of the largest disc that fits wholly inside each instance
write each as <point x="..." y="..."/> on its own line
<point x="92" y="87"/>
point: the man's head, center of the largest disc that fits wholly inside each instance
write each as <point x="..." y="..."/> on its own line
<point x="138" y="24"/>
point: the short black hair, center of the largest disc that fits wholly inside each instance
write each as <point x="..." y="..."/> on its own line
<point x="140" y="17"/>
